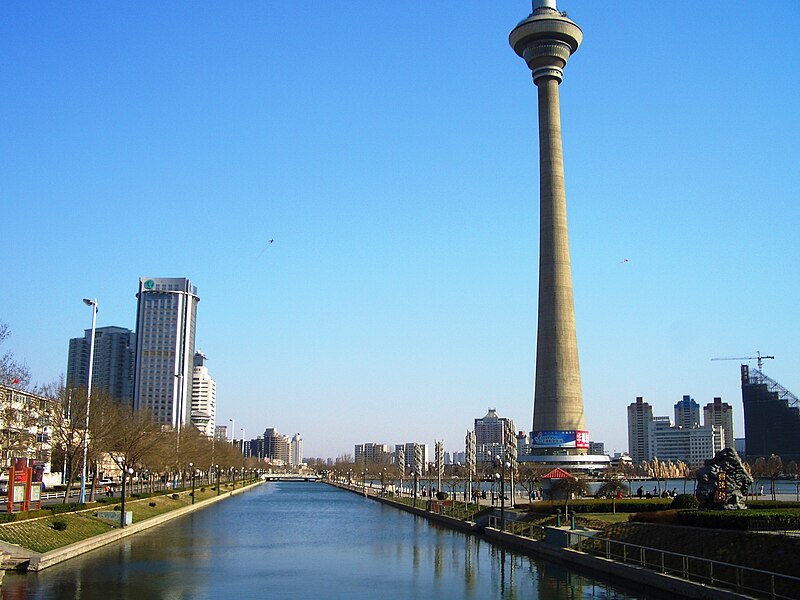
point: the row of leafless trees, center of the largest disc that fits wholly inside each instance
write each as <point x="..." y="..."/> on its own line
<point x="132" y="440"/>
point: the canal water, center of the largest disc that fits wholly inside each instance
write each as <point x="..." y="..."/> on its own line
<point x="307" y="540"/>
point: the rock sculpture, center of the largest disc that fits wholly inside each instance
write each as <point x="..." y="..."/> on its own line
<point x="722" y="483"/>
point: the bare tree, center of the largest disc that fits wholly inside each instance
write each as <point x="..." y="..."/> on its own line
<point x="567" y="488"/>
<point x="611" y="489"/>
<point x="774" y="470"/>
<point x="530" y="476"/>
<point x="12" y="373"/>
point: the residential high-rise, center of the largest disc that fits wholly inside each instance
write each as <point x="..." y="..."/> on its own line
<point x="640" y="415"/>
<point x="719" y="413"/>
<point x="493" y="436"/>
<point x="296" y="451"/>
<point x="114" y="359"/>
<point x="687" y="413"/>
<point x="277" y="446"/>
<point x="165" y="332"/>
<point x="371" y="453"/>
<point x="415" y="456"/>
<point x="545" y="40"/>
<point x="204" y="396"/>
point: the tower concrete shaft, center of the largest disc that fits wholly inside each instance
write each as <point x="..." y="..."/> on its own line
<point x="546" y="39"/>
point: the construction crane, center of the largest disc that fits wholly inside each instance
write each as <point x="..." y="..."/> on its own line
<point x="759" y="357"/>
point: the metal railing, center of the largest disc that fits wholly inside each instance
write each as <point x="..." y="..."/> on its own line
<point x="743" y="580"/>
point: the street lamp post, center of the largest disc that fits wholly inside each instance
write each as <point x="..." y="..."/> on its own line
<point x="191" y="467"/>
<point x="502" y="475"/>
<point x="233" y="431"/>
<point x="415" y="488"/>
<point x="126" y="471"/>
<point x="218" y="482"/>
<point x="93" y="304"/>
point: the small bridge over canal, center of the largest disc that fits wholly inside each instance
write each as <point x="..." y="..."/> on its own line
<point x="290" y="477"/>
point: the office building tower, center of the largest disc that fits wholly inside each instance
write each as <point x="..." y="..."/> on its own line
<point x="545" y="40"/>
<point x="165" y="332"/>
<point x="687" y="413"/>
<point x="640" y="415"/>
<point x="204" y="396"/>
<point x="720" y="414"/>
<point x="113" y="362"/>
<point x="692" y="446"/>
<point x="771" y="417"/>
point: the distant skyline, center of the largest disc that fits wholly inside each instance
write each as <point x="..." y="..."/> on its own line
<point x="353" y="189"/>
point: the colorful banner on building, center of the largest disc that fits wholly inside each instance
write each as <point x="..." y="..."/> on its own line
<point x="560" y="439"/>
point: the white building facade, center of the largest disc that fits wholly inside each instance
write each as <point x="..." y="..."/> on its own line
<point x="204" y="397"/>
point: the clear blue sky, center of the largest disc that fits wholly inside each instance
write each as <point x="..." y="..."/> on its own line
<point x="390" y="150"/>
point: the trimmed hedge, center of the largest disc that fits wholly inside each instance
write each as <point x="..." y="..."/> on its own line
<point x="741" y="520"/>
<point x="738" y="520"/>
<point x="632" y="505"/>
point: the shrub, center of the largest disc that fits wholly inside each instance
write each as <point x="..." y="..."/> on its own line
<point x="441" y="495"/>
<point x="68" y="507"/>
<point x="202" y="489"/>
<point x="684" y="501"/>
<point x="151" y="504"/>
<point x="118" y="508"/>
<point x="174" y="496"/>
<point x="8" y="517"/>
<point x="59" y="524"/>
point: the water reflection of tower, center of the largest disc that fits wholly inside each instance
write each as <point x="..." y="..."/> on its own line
<point x="545" y="40"/>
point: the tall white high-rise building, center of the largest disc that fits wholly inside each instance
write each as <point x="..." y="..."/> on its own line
<point x="165" y="332"/>
<point x="296" y="451"/>
<point x="204" y="396"/>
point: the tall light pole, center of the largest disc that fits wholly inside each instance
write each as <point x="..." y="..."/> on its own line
<point x="93" y="304"/>
<point x="233" y="431"/>
<point x="242" y="430"/>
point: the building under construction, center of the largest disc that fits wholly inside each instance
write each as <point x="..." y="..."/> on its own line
<point x="771" y="417"/>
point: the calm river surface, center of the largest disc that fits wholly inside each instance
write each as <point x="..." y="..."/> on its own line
<point x="307" y="540"/>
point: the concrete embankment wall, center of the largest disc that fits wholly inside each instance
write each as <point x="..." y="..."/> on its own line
<point x="630" y="575"/>
<point x="608" y="569"/>
<point x="38" y="561"/>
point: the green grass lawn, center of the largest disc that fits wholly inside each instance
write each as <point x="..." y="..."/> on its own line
<point x="39" y="535"/>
